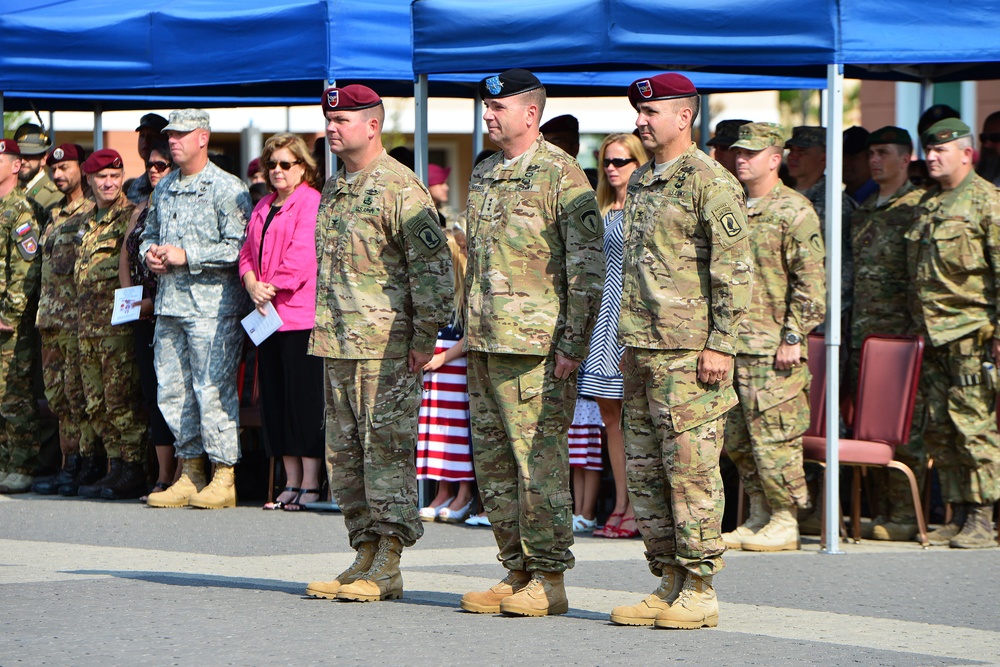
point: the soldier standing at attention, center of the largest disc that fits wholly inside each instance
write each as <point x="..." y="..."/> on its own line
<point x="385" y="287"/>
<point x="535" y="276"/>
<point x="687" y="272"/>
<point x="881" y="278"/>
<point x="953" y="251"/>
<point x="38" y="186"/>
<point x="726" y="134"/>
<point x="56" y="322"/>
<point x="194" y="228"/>
<point x="107" y="358"/>
<point x="21" y="267"/>
<point x="764" y="431"/>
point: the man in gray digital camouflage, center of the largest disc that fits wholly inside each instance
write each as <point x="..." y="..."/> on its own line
<point x="881" y="278"/>
<point x="385" y="287"/>
<point x="953" y="252"/>
<point x="764" y="431"/>
<point x="534" y="281"/>
<point x="196" y="221"/>
<point x="687" y="278"/>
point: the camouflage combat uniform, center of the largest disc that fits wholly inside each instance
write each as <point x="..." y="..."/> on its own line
<point x="44" y="194"/>
<point x="764" y="431"/>
<point x="953" y="251"/>
<point x="199" y="341"/>
<point x="21" y="266"/>
<point x="108" y="370"/>
<point x="534" y="282"/>
<point x="817" y="196"/>
<point x="57" y="323"/>
<point x="688" y="274"/>
<point x="881" y="281"/>
<point x="385" y="287"/>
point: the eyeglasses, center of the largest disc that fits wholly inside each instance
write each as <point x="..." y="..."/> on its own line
<point x="285" y="166"/>
<point x="992" y="138"/>
<point x="618" y="162"/>
<point x="158" y="165"/>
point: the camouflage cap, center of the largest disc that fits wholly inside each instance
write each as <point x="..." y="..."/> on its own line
<point x="945" y="131"/>
<point x="726" y="132"/>
<point x="890" y="134"/>
<point x="185" y="120"/>
<point x="806" y="136"/>
<point x="758" y="136"/>
<point x="32" y="139"/>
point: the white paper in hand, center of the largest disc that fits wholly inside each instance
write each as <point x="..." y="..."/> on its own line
<point x="259" y="327"/>
<point x="126" y="305"/>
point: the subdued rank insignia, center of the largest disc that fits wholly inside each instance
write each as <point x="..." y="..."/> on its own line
<point x="817" y="243"/>
<point x="371" y="192"/>
<point x="368" y="200"/>
<point x="731" y="225"/>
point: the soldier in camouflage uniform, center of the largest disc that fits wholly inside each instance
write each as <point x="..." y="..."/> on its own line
<point x="687" y="277"/>
<point x="534" y="282"/>
<point x="726" y="134"/>
<point x="57" y="324"/>
<point x="953" y="251"/>
<point x="764" y="431"/>
<point x="196" y="222"/>
<point x="38" y="186"/>
<point x="107" y="359"/>
<point x="19" y="263"/>
<point x="384" y="289"/>
<point x="881" y="277"/>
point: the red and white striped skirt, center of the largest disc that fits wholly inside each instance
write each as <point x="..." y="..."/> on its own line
<point x="444" y="450"/>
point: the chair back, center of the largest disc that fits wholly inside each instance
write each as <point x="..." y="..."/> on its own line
<point x="887" y="388"/>
<point x="817" y="389"/>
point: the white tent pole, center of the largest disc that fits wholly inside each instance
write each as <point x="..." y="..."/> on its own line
<point x="331" y="159"/>
<point x="98" y="128"/>
<point x="477" y="125"/>
<point x="420" y="126"/>
<point x="834" y="171"/>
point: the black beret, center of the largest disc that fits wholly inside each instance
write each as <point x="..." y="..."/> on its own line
<point x="511" y="82"/>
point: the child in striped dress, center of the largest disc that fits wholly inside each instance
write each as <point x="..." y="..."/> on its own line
<point x="444" y="450"/>
<point x="585" y="463"/>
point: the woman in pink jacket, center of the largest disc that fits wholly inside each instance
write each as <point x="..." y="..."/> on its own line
<point x="278" y="265"/>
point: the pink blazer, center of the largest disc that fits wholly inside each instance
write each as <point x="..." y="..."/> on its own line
<point x="289" y="258"/>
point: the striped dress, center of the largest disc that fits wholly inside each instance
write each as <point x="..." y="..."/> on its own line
<point x="585" y="436"/>
<point x="443" y="446"/>
<point x="599" y="376"/>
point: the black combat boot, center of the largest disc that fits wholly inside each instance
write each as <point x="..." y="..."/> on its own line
<point x="131" y="483"/>
<point x="50" y="486"/>
<point x="92" y="468"/>
<point x="94" y="490"/>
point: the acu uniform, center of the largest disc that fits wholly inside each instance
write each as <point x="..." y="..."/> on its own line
<point x="764" y="430"/>
<point x="953" y="251"/>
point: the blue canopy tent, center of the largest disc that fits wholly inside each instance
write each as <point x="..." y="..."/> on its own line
<point x="893" y="40"/>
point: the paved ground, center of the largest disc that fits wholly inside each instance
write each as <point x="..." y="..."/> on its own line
<point x="103" y="583"/>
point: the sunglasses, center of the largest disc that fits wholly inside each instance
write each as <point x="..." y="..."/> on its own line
<point x="159" y="165"/>
<point x="992" y="137"/>
<point x="285" y="166"/>
<point x="618" y="162"/>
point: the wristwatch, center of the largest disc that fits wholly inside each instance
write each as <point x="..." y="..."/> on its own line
<point x="792" y="338"/>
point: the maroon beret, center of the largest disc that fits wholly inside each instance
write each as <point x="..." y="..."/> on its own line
<point x="253" y="167"/>
<point x="103" y="159"/>
<point x="436" y="174"/>
<point x="669" y="86"/>
<point x="65" y="152"/>
<point x="350" y="98"/>
<point x="9" y="147"/>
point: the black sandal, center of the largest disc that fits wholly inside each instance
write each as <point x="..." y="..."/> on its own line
<point x="280" y="504"/>
<point x="159" y="486"/>
<point x="297" y="506"/>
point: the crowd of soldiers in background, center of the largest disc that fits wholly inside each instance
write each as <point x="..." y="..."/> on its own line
<point x="886" y="190"/>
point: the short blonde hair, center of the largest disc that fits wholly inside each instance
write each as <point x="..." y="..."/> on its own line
<point x="298" y="148"/>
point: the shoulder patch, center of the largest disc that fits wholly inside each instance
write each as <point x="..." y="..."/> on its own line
<point x="731" y="224"/>
<point x="425" y="233"/>
<point x="584" y="208"/>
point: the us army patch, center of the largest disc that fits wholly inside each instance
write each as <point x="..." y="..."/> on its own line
<point x="584" y="208"/>
<point x="425" y="234"/>
<point x="730" y="224"/>
<point x="367" y="210"/>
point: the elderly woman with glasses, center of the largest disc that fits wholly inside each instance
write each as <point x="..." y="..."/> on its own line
<point x="132" y="272"/>
<point x="278" y="267"/>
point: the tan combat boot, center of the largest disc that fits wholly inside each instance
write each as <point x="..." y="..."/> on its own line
<point x="362" y="561"/>
<point x="977" y="533"/>
<point x="646" y="611"/>
<point x="943" y="535"/>
<point x="544" y="595"/>
<point x="383" y="580"/>
<point x="780" y="534"/>
<point x="221" y="491"/>
<point x="760" y="514"/>
<point x="191" y="481"/>
<point x="695" y="607"/>
<point x="488" y="602"/>
<point x="895" y="531"/>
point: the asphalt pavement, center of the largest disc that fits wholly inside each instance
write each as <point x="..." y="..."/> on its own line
<point x="116" y="583"/>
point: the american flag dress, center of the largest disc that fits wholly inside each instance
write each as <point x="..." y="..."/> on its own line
<point x="444" y="449"/>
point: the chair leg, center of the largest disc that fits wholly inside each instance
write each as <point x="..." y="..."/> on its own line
<point x="856" y="504"/>
<point x="917" y="507"/>
<point x="270" y="481"/>
<point x="740" y="504"/>
<point x="928" y="475"/>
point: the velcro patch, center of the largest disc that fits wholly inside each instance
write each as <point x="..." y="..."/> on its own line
<point x="425" y="234"/>
<point x="23" y="229"/>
